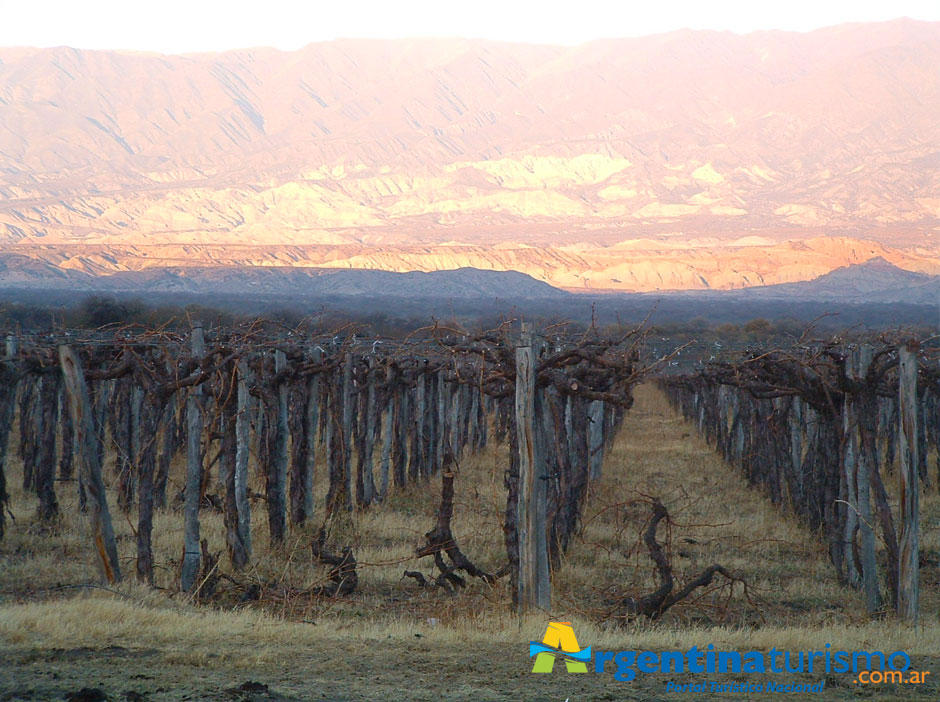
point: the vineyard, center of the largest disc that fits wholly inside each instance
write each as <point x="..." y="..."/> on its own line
<point x="459" y="474"/>
<point x="815" y="427"/>
<point x="236" y="404"/>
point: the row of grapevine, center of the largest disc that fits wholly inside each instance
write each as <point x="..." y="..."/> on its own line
<point x="371" y="416"/>
<point x="820" y="427"/>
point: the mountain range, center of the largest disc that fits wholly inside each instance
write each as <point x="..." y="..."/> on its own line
<point x="875" y="281"/>
<point x="689" y="160"/>
<point x="24" y="273"/>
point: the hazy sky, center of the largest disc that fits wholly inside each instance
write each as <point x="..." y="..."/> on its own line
<point x="175" y="26"/>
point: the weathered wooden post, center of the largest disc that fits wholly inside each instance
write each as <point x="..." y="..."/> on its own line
<point x="137" y="407"/>
<point x="440" y="422"/>
<point x="99" y="396"/>
<point x="28" y="411"/>
<point x="549" y="447"/>
<point x="191" y="552"/>
<point x="66" y="457"/>
<point x="908" y="543"/>
<point x="402" y="426"/>
<point x="333" y="463"/>
<point x="865" y="465"/>
<point x="149" y="412"/>
<point x="454" y="402"/>
<point x="596" y="438"/>
<point x="386" y="430"/>
<point x="242" y="430"/>
<point x="311" y="420"/>
<point x="277" y="476"/>
<point x="849" y="474"/>
<point x="796" y="445"/>
<point x="44" y="478"/>
<point x="347" y="432"/>
<point x="89" y="466"/>
<point x="473" y="428"/>
<point x="168" y="445"/>
<point x="120" y="419"/>
<point x="8" y="382"/>
<point x="430" y="424"/>
<point x="739" y="440"/>
<point x="532" y="583"/>
<point x="416" y="468"/>
<point x="369" y="494"/>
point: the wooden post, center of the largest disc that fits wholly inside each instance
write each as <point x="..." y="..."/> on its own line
<point x="908" y="546"/>
<point x="484" y="409"/>
<point x="737" y="446"/>
<point x="191" y="551"/>
<point x="402" y="424"/>
<point x="150" y="410"/>
<point x="849" y="475"/>
<point x="99" y="396"/>
<point x="168" y="448"/>
<point x="7" y="406"/>
<point x="416" y="466"/>
<point x="866" y="528"/>
<point x="441" y="423"/>
<point x="360" y="410"/>
<point x="545" y="467"/>
<point x="131" y="476"/>
<point x="569" y="433"/>
<point x="44" y="478"/>
<point x="596" y="438"/>
<point x="89" y="466"/>
<point x="796" y="446"/>
<point x="430" y="424"/>
<point x="277" y="492"/>
<point x="29" y="423"/>
<point x="8" y="382"/>
<point x="120" y="417"/>
<point x="368" y="476"/>
<point x="454" y="401"/>
<point x="347" y="432"/>
<point x="333" y="462"/>
<point x="922" y="446"/>
<point x="169" y="427"/>
<point x="137" y="405"/>
<point x="387" y="423"/>
<point x="532" y="592"/>
<point x="311" y="420"/>
<point x="473" y="427"/>
<point x="242" y="430"/>
<point x="66" y="457"/>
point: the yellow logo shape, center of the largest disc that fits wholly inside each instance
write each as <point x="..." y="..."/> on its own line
<point x="560" y="636"/>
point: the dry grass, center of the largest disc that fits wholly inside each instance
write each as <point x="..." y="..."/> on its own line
<point x="792" y="600"/>
<point x="132" y="616"/>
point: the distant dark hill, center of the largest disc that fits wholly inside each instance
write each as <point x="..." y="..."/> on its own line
<point x="463" y="283"/>
<point x="876" y="280"/>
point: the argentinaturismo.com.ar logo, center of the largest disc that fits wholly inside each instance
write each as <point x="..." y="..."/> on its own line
<point x="559" y="641"/>
<point x="867" y="667"/>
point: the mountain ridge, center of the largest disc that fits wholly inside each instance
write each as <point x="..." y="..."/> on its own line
<point x="629" y="266"/>
<point x="463" y="283"/>
<point x="390" y="152"/>
<point x="875" y="280"/>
